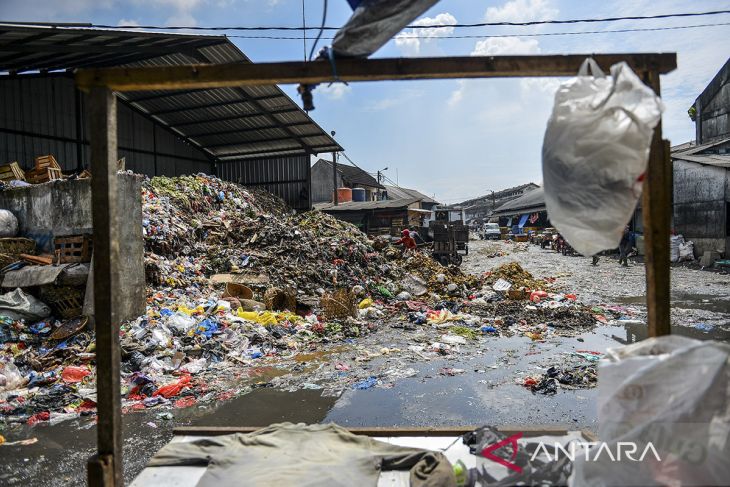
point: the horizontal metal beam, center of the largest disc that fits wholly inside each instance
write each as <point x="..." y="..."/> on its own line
<point x="249" y="129"/>
<point x="234" y="117"/>
<point x="259" y="141"/>
<point x="238" y="74"/>
<point x="310" y="149"/>
<point x="211" y="105"/>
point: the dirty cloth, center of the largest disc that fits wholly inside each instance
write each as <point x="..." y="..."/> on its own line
<point x="303" y="455"/>
<point x="17" y="305"/>
<point x="36" y="275"/>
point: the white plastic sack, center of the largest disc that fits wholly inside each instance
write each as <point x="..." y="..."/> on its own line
<point x="687" y="251"/>
<point x="674" y="243"/>
<point x="673" y="392"/>
<point x="595" y="153"/>
<point x="8" y="224"/>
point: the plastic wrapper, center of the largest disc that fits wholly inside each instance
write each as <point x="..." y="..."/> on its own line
<point x="595" y="154"/>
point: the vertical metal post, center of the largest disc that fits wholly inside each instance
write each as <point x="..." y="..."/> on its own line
<point x="656" y="212"/>
<point x="105" y="469"/>
<point x="334" y="178"/>
<point x="79" y="125"/>
<point x="154" y="146"/>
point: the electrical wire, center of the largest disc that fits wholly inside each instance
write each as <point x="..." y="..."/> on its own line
<point x="323" y="27"/>
<point x="487" y="36"/>
<point x="304" y="32"/>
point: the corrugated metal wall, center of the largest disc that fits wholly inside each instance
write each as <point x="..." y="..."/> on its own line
<point x="38" y="117"/>
<point x="288" y="177"/>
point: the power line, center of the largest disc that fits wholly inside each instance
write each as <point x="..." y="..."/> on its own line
<point x="323" y="27"/>
<point x="486" y="36"/>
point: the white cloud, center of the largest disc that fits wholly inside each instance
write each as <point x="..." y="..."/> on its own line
<point x="127" y="22"/>
<point x="505" y="45"/>
<point x="521" y="11"/>
<point x="492" y="47"/>
<point x="403" y="96"/>
<point x="335" y="91"/>
<point x="410" y="42"/>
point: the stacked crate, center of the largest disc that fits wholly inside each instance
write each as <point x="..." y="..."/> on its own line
<point x="11" y="172"/>
<point x="46" y="169"/>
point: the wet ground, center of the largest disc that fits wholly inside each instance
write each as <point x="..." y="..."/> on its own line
<point x="411" y="389"/>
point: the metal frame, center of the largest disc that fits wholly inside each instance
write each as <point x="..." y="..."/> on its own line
<point x="105" y="468"/>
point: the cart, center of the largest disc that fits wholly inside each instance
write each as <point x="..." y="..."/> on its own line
<point x="445" y="244"/>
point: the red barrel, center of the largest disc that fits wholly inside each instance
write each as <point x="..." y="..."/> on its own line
<point x="344" y="195"/>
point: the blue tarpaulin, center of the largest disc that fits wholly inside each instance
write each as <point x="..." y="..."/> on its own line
<point x="523" y="220"/>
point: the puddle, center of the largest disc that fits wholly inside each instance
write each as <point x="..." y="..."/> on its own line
<point x="705" y="302"/>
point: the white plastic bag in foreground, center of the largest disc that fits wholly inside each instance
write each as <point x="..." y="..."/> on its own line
<point x="672" y="393"/>
<point x="595" y="153"/>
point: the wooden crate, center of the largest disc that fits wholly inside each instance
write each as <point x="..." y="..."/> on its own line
<point x="43" y="162"/>
<point x="11" y="172"/>
<point x="73" y="248"/>
<point x="38" y="176"/>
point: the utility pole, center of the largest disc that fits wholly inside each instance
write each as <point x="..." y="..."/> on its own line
<point x="334" y="178"/>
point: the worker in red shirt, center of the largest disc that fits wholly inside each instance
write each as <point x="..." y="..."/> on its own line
<point x="409" y="244"/>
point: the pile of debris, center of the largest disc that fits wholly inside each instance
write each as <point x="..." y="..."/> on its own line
<point x="197" y="226"/>
<point x="513" y="273"/>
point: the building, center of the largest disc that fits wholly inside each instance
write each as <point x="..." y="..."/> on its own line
<point x="347" y="177"/>
<point x="253" y="135"/>
<point x="382" y="217"/>
<point x="702" y="194"/>
<point x="701" y="190"/>
<point x="399" y="193"/>
<point x="528" y="210"/>
<point x="711" y="110"/>
<point x="481" y="208"/>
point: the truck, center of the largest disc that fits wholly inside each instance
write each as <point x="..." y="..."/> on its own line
<point x="490" y="231"/>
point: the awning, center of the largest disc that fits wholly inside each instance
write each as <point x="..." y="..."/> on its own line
<point x="523" y="220"/>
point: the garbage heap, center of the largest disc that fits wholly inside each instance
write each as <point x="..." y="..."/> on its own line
<point x="198" y="226"/>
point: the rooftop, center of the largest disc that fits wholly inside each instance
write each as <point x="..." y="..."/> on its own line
<point x="398" y="192"/>
<point x="353" y="174"/>
<point x="365" y="205"/>
<point x="225" y="123"/>
<point x="531" y="201"/>
<point x="707" y="154"/>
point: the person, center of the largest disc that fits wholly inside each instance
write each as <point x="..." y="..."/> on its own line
<point x="595" y="260"/>
<point x="624" y="247"/>
<point x="415" y="236"/>
<point x="409" y="244"/>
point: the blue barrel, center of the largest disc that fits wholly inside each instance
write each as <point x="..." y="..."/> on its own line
<point x="358" y="194"/>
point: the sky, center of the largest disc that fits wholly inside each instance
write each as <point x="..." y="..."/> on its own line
<point x="455" y="139"/>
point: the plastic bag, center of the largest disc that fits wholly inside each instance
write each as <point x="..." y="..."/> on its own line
<point x="595" y="153"/>
<point x="10" y="377"/>
<point x="674" y="243"/>
<point x="671" y="392"/>
<point x="8" y="224"/>
<point x="18" y="305"/>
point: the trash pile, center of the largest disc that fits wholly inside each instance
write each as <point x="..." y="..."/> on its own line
<point x="197" y="226"/>
<point x="576" y="370"/>
<point x="513" y="273"/>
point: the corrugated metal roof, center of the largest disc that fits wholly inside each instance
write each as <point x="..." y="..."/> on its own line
<point x="530" y="201"/>
<point x="353" y="174"/>
<point x="397" y="192"/>
<point x="706" y="154"/>
<point x="226" y="123"/>
<point x="366" y="205"/>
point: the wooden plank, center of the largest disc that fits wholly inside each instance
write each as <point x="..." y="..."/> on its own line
<point x="239" y="74"/>
<point x="378" y="431"/>
<point x="657" y="213"/>
<point x="103" y="123"/>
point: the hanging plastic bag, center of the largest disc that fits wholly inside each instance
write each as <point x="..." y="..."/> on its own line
<point x="668" y="398"/>
<point x="595" y="153"/>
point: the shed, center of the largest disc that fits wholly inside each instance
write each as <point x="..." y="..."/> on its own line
<point x="254" y="135"/>
<point x="379" y="217"/>
<point x="347" y="177"/>
<point x="530" y="206"/>
<point x="399" y="192"/>
<point x="711" y="108"/>
<point x="702" y="194"/>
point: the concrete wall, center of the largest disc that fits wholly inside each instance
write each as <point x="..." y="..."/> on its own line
<point x="699" y="205"/>
<point x="59" y="208"/>
<point x="322" y="182"/>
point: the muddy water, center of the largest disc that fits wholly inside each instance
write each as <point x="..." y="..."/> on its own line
<point x="486" y="392"/>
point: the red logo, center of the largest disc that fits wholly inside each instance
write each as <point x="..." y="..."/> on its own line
<point x="511" y="440"/>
